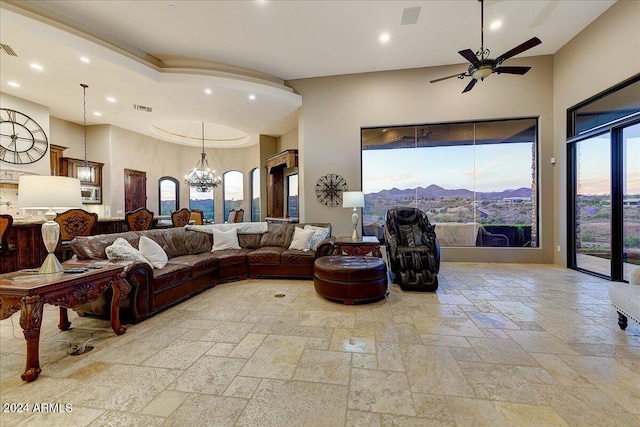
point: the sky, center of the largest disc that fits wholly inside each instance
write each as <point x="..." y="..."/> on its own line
<point x="594" y="171"/>
<point x="490" y="167"/>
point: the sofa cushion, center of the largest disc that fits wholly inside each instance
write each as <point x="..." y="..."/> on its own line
<point x="230" y="256"/>
<point x="249" y="241"/>
<point x="86" y="247"/>
<point x="200" y="263"/>
<point x="197" y="242"/>
<point x="171" y="274"/>
<point x="172" y="240"/>
<point x="277" y="235"/>
<point x="297" y="257"/>
<point x="266" y="255"/>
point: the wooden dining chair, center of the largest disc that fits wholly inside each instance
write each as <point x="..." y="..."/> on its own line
<point x="180" y="218"/>
<point x="8" y="259"/>
<point x="6" y="223"/>
<point x="197" y="216"/>
<point x="139" y="219"/>
<point x="73" y="223"/>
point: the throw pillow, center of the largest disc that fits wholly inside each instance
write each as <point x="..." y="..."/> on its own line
<point x="153" y="252"/>
<point x="122" y="250"/>
<point x="301" y="239"/>
<point x="225" y="239"/>
<point x="320" y="233"/>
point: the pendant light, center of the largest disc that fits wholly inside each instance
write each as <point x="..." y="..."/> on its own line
<point x="85" y="171"/>
<point x="202" y="178"/>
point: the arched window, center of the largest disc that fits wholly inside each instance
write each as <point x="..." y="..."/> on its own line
<point x="255" y="194"/>
<point x="168" y="195"/>
<point x="233" y="189"/>
<point x="203" y="202"/>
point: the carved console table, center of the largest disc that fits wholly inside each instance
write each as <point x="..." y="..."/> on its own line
<point x="27" y="291"/>
<point x="367" y="245"/>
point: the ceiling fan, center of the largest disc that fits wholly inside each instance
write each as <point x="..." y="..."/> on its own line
<point x="482" y="66"/>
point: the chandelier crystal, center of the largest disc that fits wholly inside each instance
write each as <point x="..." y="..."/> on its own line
<point x="202" y="178"/>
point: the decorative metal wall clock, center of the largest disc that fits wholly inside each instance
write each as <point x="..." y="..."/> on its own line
<point x="329" y="189"/>
<point x="22" y="140"/>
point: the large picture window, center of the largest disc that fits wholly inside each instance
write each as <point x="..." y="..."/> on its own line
<point x="477" y="180"/>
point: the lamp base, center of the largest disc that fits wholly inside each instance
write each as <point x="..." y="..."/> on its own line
<point x="354" y="221"/>
<point x="50" y="236"/>
<point x="51" y="265"/>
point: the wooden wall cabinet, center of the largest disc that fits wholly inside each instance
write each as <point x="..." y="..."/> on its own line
<point x="69" y="167"/>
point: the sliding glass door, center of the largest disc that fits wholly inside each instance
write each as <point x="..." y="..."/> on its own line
<point x="631" y="198"/>
<point x="593" y="204"/>
<point x="604" y="182"/>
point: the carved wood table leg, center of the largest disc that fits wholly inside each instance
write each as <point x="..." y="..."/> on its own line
<point x="64" y="324"/>
<point x="121" y="289"/>
<point x="30" y="321"/>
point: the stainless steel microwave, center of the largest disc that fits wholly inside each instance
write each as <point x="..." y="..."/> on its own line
<point x="90" y="194"/>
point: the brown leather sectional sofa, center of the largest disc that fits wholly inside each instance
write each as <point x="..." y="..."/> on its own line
<point x="192" y="267"/>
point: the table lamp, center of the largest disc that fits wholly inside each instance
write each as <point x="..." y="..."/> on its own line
<point x="49" y="192"/>
<point x="355" y="200"/>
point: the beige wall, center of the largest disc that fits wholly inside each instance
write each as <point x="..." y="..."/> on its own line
<point x="40" y="114"/>
<point x="288" y="141"/>
<point x="602" y="55"/>
<point x="335" y="108"/>
<point x="121" y="149"/>
<point x="129" y="150"/>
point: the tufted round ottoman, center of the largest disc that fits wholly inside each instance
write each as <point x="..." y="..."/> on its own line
<point x="350" y="279"/>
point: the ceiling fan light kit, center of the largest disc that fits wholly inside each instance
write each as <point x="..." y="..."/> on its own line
<point x="482" y="66"/>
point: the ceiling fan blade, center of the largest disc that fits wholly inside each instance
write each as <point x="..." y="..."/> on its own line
<point x="448" y="77"/>
<point x="469" y="56"/>
<point x="470" y="86"/>
<point x="512" y="70"/>
<point x="519" y="49"/>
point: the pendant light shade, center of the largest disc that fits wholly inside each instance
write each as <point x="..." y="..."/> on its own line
<point x="85" y="171"/>
<point x="202" y="178"/>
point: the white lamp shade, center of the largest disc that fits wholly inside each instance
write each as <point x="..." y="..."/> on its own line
<point x="353" y="199"/>
<point x="45" y="192"/>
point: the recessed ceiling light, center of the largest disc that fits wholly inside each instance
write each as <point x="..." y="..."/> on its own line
<point x="13" y="84"/>
<point x="36" y="66"/>
<point x="111" y="99"/>
<point x="495" y="24"/>
<point x="97" y="113"/>
<point x="208" y="91"/>
<point x="252" y="97"/>
<point x="85" y="59"/>
<point x="385" y="37"/>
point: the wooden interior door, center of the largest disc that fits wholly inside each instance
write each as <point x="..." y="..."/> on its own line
<point x="135" y="189"/>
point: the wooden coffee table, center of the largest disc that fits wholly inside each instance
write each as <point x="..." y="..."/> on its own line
<point x="27" y="291"/>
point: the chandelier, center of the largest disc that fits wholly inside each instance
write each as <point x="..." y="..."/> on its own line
<point x="202" y="178"/>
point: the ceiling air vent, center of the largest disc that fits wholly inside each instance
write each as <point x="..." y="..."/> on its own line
<point x="142" y="108"/>
<point x="8" y="49"/>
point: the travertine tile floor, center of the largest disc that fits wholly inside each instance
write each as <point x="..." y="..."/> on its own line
<point x="497" y="345"/>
